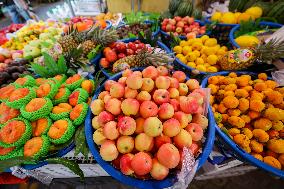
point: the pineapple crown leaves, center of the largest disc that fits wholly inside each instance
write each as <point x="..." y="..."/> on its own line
<point x="175" y="40"/>
<point x="51" y="68"/>
<point x="102" y="37"/>
<point x="147" y="38"/>
<point x="272" y="50"/>
<point x="95" y="52"/>
<point x="156" y="56"/>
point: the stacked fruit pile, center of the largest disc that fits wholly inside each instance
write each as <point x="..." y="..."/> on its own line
<point x="9" y="29"/>
<point x="144" y="120"/>
<point x="202" y="53"/>
<point x="185" y="26"/>
<point x="127" y="31"/>
<point x="36" y="113"/>
<point x="251" y="13"/>
<point x="113" y="17"/>
<point x="251" y="112"/>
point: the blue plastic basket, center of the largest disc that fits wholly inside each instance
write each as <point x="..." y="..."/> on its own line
<point x="149" y="184"/>
<point x="237" y="27"/>
<point x="237" y="151"/>
<point x="97" y="59"/>
<point x="59" y="153"/>
<point x="184" y="37"/>
<point x="109" y="24"/>
<point x="187" y="68"/>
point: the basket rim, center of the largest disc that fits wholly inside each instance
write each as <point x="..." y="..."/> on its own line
<point x="244" y="155"/>
<point x="208" y="145"/>
<point x="234" y="29"/>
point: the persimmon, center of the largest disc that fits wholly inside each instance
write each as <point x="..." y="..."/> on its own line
<point x="21" y="81"/>
<point x="39" y="126"/>
<point x="75" y="113"/>
<point x="4" y="151"/>
<point x="12" y="131"/>
<point x="43" y="90"/>
<point x="5" y="92"/>
<point x="7" y="113"/>
<point x="35" y="104"/>
<point x="73" y="79"/>
<point x="58" y="129"/>
<point x="33" y="146"/>
<point x="18" y="94"/>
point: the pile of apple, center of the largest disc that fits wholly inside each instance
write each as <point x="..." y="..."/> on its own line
<point x="185" y="26"/>
<point x="144" y="120"/>
<point x="120" y="50"/>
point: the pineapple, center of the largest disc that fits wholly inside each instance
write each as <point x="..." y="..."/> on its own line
<point x="242" y="58"/>
<point x="87" y="46"/>
<point x="143" y="58"/>
<point x="103" y="37"/>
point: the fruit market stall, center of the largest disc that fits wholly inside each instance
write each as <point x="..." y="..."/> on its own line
<point x="139" y="96"/>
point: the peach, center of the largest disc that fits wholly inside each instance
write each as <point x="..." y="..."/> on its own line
<point x="183" y="139"/>
<point x="198" y="97"/>
<point x="108" y="150"/>
<point x="130" y="106"/>
<point x="139" y="125"/>
<point x="99" y="137"/>
<point x="194" y="147"/>
<point x="105" y="117"/>
<point x="103" y="94"/>
<point x="134" y="81"/>
<point x="161" y="96"/>
<point x="116" y="90"/>
<point x="148" y="109"/>
<point x="158" y="171"/>
<point x="125" y="144"/>
<point x="162" y="70"/>
<point x="148" y="84"/>
<point x="113" y="106"/>
<point x="138" y="73"/>
<point x="168" y="155"/>
<point x="97" y="106"/>
<point x="122" y="81"/>
<point x="141" y="163"/>
<point x="162" y="139"/>
<point x="143" y="96"/>
<point x="150" y="72"/>
<point x="174" y="93"/>
<point x="130" y="93"/>
<point x="144" y="142"/>
<point x="127" y="73"/>
<point x="110" y="130"/>
<point x="95" y="123"/>
<point x="166" y="111"/>
<point x="192" y="84"/>
<point x="179" y="75"/>
<point x="188" y="105"/>
<point x="162" y="82"/>
<point x="195" y="131"/>
<point x="125" y="164"/>
<point x="153" y="126"/>
<point x="183" y="89"/>
<point x="126" y="125"/>
<point x="171" y="127"/>
<point x="174" y="83"/>
<point x="200" y="120"/>
<point x="108" y="84"/>
<point x="175" y="104"/>
<point x="106" y="98"/>
<point x="183" y="118"/>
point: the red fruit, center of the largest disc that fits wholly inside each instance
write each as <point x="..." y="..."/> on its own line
<point x="175" y="104"/>
<point x="141" y="46"/>
<point x="163" y="27"/>
<point x="162" y="139"/>
<point x="116" y="162"/>
<point x="194" y="147"/>
<point x="111" y="56"/>
<point x="8" y="61"/>
<point x="168" y="28"/>
<point x="273" y="134"/>
<point x="132" y="46"/>
<point x="190" y="20"/>
<point x="104" y="63"/>
<point x="2" y="58"/>
<point x="188" y="105"/>
<point x="121" y="47"/>
<point x="180" y="76"/>
<point x="125" y="164"/>
<point x="177" y="18"/>
<point x="141" y="163"/>
<point x="129" y="52"/>
<point x="137" y="41"/>
<point x="121" y="55"/>
<point x="108" y="49"/>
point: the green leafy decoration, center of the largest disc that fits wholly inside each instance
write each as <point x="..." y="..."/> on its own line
<point x="15" y="161"/>
<point x="50" y="63"/>
<point x="62" y="67"/>
<point x="80" y="142"/>
<point x="73" y="166"/>
<point x="95" y="52"/>
<point x="175" y="40"/>
<point x="131" y="35"/>
<point x="98" y="80"/>
<point x="40" y="70"/>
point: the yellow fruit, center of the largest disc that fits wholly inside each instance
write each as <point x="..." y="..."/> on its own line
<point x="276" y="145"/>
<point x="191" y="57"/>
<point x="201" y="68"/>
<point x="186" y="50"/>
<point x="256" y="12"/>
<point x="183" y="59"/>
<point x="196" y="46"/>
<point x="204" y="57"/>
<point x="228" y="18"/>
<point x="212" y="69"/>
<point x="183" y="43"/>
<point x="211" y="42"/>
<point x="216" y="16"/>
<point x="191" y="64"/>
<point x="224" y="48"/>
<point x="237" y="14"/>
<point x="197" y="53"/>
<point x="245" y="17"/>
<point x="179" y="55"/>
<point x="178" y="49"/>
<point x="221" y="52"/>
<point x="199" y="61"/>
<point x="190" y="41"/>
<point x="204" y="38"/>
<point x="247" y="41"/>
<point x="212" y="59"/>
<point x="209" y="51"/>
<point x="207" y="65"/>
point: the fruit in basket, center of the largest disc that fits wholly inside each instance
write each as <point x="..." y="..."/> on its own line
<point x="256" y="11"/>
<point x="243" y="58"/>
<point x="36" y="147"/>
<point x="247" y="41"/>
<point x="7" y="113"/>
<point x="156" y="128"/>
<point x="40" y="126"/>
<point x="255" y="123"/>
